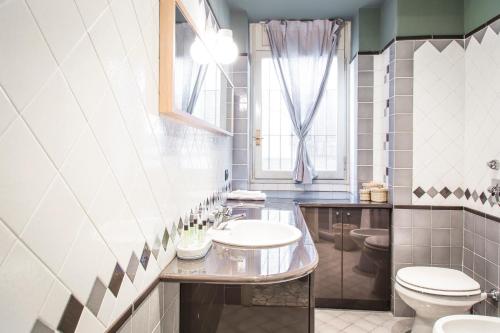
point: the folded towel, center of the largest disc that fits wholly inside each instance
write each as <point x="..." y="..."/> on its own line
<point x="246" y="195"/>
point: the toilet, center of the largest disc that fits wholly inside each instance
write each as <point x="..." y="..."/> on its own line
<point x="435" y="292"/>
<point x="366" y="265"/>
<point x="376" y="249"/>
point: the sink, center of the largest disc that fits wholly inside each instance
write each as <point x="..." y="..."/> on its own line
<point x="467" y="324"/>
<point x="256" y="234"/>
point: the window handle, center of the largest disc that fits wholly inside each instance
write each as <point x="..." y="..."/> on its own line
<point x="258" y="138"/>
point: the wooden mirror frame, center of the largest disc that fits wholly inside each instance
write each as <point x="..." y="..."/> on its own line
<point x="167" y="61"/>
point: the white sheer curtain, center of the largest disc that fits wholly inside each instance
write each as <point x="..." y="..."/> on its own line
<point x="302" y="54"/>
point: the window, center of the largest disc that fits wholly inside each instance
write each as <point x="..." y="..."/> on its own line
<point x="274" y="155"/>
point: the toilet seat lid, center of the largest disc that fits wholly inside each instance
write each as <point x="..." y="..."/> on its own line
<point x="378" y="242"/>
<point x="437" y="281"/>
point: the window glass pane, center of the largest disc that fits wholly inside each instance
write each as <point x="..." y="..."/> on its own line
<point x="279" y="144"/>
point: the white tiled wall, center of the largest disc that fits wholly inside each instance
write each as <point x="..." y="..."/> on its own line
<point x="89" y="170"/>
<point x="438" y="121"/>
<point x="482" y="114"/>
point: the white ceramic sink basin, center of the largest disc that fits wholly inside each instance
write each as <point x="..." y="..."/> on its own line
<point x="467" y="324"/>
<point x="256" y="234"/>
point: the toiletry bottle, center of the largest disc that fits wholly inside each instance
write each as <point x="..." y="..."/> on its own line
<point x="201" y="234"/>
<point x="195" y="228"/>
<point x="191" y="233"/>
<point x="185" y="236"/>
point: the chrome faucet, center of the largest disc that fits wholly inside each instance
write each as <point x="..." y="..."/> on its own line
<point x="493" y="294"/>
<point x="494" y="190"/>
<point x="223" y="215"/>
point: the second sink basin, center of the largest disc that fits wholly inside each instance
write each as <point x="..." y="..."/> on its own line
<point x="256" y="234"/>
<point x="467" y="324"/>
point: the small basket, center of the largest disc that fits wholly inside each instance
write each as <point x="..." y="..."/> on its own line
<point x="379" y="194"/>
<point x="372" y="184"/>
<point x="364" y="194"/>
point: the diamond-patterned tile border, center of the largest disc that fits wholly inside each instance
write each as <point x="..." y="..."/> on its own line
<point x="419" y="192"/>
<point x="445" y="192"/>
<point x="458" y="193"/>
<point x="132" y="266"/>
<point x="432" y="192"/>
<point x="483" y="197"/>
<point x="71" y="316"/>
<point x="40" y="327"/>
<point x="116" y="280"/>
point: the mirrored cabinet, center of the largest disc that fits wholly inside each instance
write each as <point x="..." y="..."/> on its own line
<point x="194" y="87"/>
<point x="354" y="256"/>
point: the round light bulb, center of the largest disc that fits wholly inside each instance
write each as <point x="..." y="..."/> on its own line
<point x="226" y="50"/>
<point x="199" y="52"/>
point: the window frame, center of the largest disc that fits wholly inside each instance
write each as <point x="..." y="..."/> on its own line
<point x="260" y="49"/>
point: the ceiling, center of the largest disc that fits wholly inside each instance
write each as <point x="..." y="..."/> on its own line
<point x="259" y="10"/>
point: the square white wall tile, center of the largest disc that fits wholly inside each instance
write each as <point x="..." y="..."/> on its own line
<point x="61" y="24"/>
<point x="91" y="10"/>
<point x="55" y="303"/>
<point x="55" y="118"/>
<point x="25" y="175"/>
<point x="86" y="77"/>
<point x="22" y="74"/>
<point x="83" y="262"/>
<point x="85" y="168"/>
<point x="24" y="285"/>
<point x="113" y="218"/>
<point x="89" y="323"/>
<point x="7" y="239"/>
<point x="8" y="113"/>
<point x="107" y="42"/>
<point x="126" y="21"/>
<point x="54" y="225"/>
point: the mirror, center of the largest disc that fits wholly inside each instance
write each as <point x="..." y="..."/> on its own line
<point x="201" y="88"/>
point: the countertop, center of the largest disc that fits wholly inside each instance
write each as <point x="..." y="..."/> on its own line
<point x="234" y="265"/>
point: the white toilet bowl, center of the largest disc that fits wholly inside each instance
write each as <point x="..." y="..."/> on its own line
<point x="435" y="292"/>
<point x="365" y="264"/>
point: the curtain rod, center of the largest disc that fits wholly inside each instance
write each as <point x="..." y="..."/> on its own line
<point x="303" y="20"/>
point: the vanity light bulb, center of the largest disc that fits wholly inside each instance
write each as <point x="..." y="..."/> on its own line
<point x="199" y="53"/>
<point x="226" y="50"/>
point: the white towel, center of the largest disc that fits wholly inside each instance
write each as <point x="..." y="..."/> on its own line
<point x="246" y="195"/>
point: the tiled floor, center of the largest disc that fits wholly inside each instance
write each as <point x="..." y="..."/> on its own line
<point x="350" y="321"/>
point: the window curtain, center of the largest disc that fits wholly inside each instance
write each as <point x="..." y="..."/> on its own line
<point x="302" y="53"/>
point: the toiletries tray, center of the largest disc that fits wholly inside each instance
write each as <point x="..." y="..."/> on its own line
<point x="194" y="250"/>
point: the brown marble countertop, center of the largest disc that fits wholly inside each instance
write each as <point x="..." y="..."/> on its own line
<point x="235" y="265"/>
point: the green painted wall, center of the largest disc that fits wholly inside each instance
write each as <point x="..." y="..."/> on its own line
<point x="388" y="21"/>
<point x="240" y="27"/>
<point x="477" y="12"/>
<point x="430" y="17"/>
<point x="369" y="29"/>
<point x="221" y="12"/>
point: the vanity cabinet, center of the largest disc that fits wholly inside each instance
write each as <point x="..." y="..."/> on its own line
<point x="354" y="267"/>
